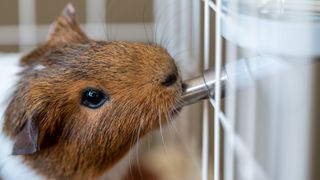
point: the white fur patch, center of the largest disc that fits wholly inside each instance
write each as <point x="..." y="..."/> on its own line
<point x="11" y="167"/>
<point x="39" y="67"/>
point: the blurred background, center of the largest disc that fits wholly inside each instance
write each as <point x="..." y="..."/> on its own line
<point x="268" y="123"/>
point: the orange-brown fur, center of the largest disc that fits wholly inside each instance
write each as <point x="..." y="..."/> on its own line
<point x="76" y="142"/>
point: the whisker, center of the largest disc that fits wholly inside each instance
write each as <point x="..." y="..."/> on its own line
<point x="144" y="22"/>
<point x="168" y="122"/>
<point x="109" y="9"/>
<point x="133" y="140"/>
<point x="137" y="152"/>
<point x="182" y="140"/>
<point x="178" y="53"/>
<point x="162" y="138"/>
<point x="172" y="20"/>
<point x="172" y="125"/>
<point x="130" y="164"/>
<point x="157" y="23"/>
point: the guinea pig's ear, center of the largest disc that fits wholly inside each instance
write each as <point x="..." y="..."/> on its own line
<point x="65" y="29"/>
<point x="27" y="139"/>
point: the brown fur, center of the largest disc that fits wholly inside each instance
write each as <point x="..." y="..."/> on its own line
<point x="76" y="142"/>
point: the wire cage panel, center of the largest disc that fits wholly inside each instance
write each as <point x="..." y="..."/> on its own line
<point x="267" y="118"/>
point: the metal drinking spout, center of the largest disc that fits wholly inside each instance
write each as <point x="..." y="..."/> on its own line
<point x="237" y="75"/>
<point x="202" y="87"/>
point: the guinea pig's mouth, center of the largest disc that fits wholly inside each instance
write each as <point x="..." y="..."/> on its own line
<point x="175" y="111"/>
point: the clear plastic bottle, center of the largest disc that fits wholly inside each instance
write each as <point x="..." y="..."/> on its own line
<point x="273" y="119"/>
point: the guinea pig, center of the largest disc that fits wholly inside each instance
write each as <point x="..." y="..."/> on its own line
<point x="79" y="105"/>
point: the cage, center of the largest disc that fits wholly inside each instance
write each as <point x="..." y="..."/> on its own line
<point x="268" y="121"/>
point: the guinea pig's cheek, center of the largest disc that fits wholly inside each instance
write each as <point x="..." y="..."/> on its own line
<point x="93" y="115"/>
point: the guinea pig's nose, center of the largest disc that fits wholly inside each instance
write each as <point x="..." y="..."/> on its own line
<point x="169" y="80"/>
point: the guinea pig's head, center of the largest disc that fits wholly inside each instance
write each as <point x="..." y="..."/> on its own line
<point x="87" y="102"/>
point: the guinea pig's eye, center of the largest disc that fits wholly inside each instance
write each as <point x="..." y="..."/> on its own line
<point x="93" y="98"/>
